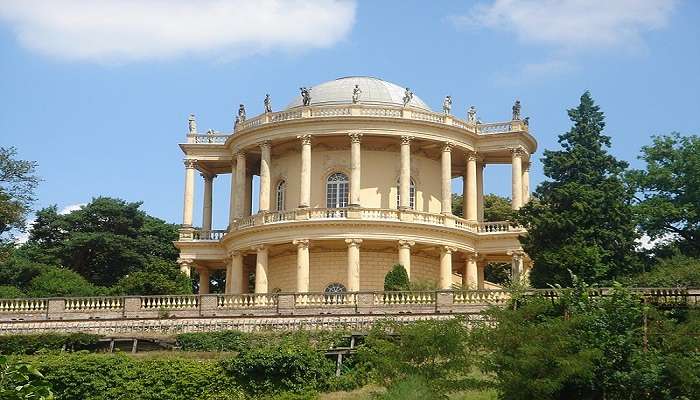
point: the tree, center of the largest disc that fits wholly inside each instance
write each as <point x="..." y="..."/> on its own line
<point x="581" y="218"/>
<point x="59" y="282"/>
<point x="496" y="208"/>
<point x="669" y="190"/>
<point x="17" y="184"/>
<point x="397" y="279"/>
<point x="103" y="241"/>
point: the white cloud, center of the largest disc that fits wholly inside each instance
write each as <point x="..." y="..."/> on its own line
<point x="572" y="24"/>
<point x="70" y="208"/>
<point x="133" y="30"/>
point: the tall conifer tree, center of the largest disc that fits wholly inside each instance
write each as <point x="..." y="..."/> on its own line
<point x="581" y="218"/>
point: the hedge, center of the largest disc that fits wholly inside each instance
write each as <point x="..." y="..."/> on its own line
<point x="31" y="344"/>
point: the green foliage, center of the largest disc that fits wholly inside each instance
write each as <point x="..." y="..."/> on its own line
<point x="103" y="241"/>
<point x="410" y="388"/>
<point x="496" y="208"/>
<point x="434" y="352"/>
<point x="232" y="341"/>
<point x="58" y="282"/>
<point x="396" y="279"/>
<point x="21" y="381"/>
<point x="498" y="273"/>
<point x="582" y="347"/>
<point x="669" y="188"/>
<point x="19" y="271"/>
<point x="17" y="185"/>
<point x="581" y="218"/>
<point x="106" y="377"/>
<point x="151" y="283"/>
<point x="11" y="292"/>
<point x="678" y="271"/>
<point x="32" y="344"/>
<point x="291" y="364"/>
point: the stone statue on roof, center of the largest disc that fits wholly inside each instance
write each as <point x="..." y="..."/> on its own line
<point x="407" y="97"/>
<point x="447" y="105"/>
<point x="241" y="113"/>
<point x="516" y="110"/>
<point x="471" y="115"/>
<point x="268" y="104"/>
<point x="305" y="96"/>
<point x="192" y="125"/>
<point x="356" y="92"/>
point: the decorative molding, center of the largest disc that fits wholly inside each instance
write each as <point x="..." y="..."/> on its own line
<point x="406" y="243"/>
<point x="447" y="146"/>
<point x="406" y="140"/>
<point x="305" y="139"/>
<point x="190" y="163"/>
<point x="301" y="243"/>
<point x="355" y="137"/>
<point x="472" y="156"/>
<point x="353" y="242"/>
<point x="265" y="144"/>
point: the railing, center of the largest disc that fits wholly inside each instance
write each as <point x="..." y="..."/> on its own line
<point x="183" y="302"/>
<point x="328" y="213"/>
<point x="234" y="301"/>
<point x="496" y="227"/>
<point x="428" y="218"/>
<point x="94" y="304"/>
<point x="23" y="305"/>
<point x="325" y="299"/>
<point x="360" y="110"/>
<point x="405" y="298"/>
<point x="380" y="213"/>
<point x="216" y="234"/>
<point x="280" y="216"/>
<point x="480" y="297"/>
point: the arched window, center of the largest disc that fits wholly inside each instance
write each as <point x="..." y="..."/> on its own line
<point x="335" y="287"/>
<point x="279" y="195"/>
<point x="337" y="191"/>
<point x="411" y="194"/>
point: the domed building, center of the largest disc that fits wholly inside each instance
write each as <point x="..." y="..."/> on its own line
<point x="354" y="177"/>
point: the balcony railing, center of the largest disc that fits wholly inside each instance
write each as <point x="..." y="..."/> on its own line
<point x="359" y="110"/>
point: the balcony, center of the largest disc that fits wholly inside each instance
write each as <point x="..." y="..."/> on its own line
<point x="353" y="214"/>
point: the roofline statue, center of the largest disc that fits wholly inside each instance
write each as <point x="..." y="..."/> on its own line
<point x="356" y="92"/>
<point x="305" y="96"/>
<point x="516" y="110"/>
<point x="407" y="97"/>
<point x="268" y="104"/>
<point x="241" y="112"/>
<point x="192" y="125"/>
<point x="447" y="105"/>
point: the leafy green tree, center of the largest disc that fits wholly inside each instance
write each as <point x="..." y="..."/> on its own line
<point x="103" y="241"/>
<point x="678" y="271"/>
<point x="22" y="381"/>
<point x="581" y="218"/>
<point x="11" y="292"/>
<point x="151" y="283"/>
<point x="496" y="208"/>
<point x="58" y="282"/>
<point x="17" y="184"/>
<point x="397" y="279"/>
<point x="669" y="190"/>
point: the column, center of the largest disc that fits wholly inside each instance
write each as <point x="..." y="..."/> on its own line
<point x="207" y="206"/>
<point x="355" y="169"/>
<point x="248" y="201"/>
<point x="526" y="182"/>
<point x="446" y="267"/>
<point x="517" y="178"/>
<point x="471" y="195"/>
<point x="470" y="276"/>
<point x="447" y="178"/>
<point x="405" y="255"/>
<point x="232" y="201"/>
<point x="480" y="267"/>
<point x="480" y="191"/>
<point x="189" y="192"/>
<point x="305" y="190"/>
<point x="405" y="174"/>
<point x="185" y="266"/>
<point x="264" y="198"/>
<point x="203" y="281"/>
<point x="261" y="269"/>
<point x="240" y="183"/>
<point x="353" y="264"/>
<point x="302" y="265"/>
<point x="516" y="267"/>
<point x="234" y="274"/>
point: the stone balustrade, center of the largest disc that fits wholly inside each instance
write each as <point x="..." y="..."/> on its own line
<point x="368" y="214"/>
<point x="363" y="111"/>
<point x="298" y="304"/>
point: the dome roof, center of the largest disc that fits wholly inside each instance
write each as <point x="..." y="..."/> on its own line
<point x="374" y="91"/>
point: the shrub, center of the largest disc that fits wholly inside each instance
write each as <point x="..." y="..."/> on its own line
<point x="11" y="292"/>
<point x="212" y="341"/>
<point x="20" y="381"/>
<point x="31" y="344"/>
<point x="117" y="376"/>
<point x="290" y="365"/>
<point x="677" y="271"/>
<point x="152" y="283"/>
<point x="57" y="282"/>
<point x="397" y="279"/>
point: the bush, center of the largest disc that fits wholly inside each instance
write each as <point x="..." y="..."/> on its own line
<point x="31" y="344"/>
<point x="20" y="381"/>
<point x="677" y="271"/>
<point x="116" y="376"/>
<point x="397" y="279"/>
<point x="212" y="341"/>
<point x="152" y="283"/>
<point x="290" y="365"/>
<point x="11" y="292"/>
<point x="59" y="282"/>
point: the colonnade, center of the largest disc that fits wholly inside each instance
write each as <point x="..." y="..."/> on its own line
<point x="241" y="181"/>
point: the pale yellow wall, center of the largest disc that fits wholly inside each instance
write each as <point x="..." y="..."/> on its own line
<point x="326" y="267"/>
<point x="380" y="172"/>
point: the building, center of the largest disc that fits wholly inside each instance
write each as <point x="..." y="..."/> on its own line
<point x="354" y="176"/>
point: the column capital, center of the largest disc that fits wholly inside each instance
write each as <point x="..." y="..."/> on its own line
<point x="353" y="242"/>
<point x="447" y="147"/>
<point x="208" y="176"/>
<point x="301" y="243"/>
<point x="448" y="249"/>
<point x="406" y="244"/>
<point x="516" y="254"/>
<point x="258" y="247"/>
<point x="305" y="139"/>
<point x="234" y="253"/>
<point x="471" y="155"/>
<point x="185" y="262"/>
<point x="517" y="151"/>
<point x="355" y="137"/>
<point x="473" y="257"/>
<point x="190" y="163"/>
<point x="406" y="139"/>
<point x="264" y="144"/>
<point x="239" y="152"/>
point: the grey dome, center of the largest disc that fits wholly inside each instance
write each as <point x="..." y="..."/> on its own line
<point x="374" y="92"/>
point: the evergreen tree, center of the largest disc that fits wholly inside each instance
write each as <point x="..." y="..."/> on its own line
<point x="581" y="218"/>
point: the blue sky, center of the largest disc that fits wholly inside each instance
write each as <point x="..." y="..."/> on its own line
<point x="99" y="92"/>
